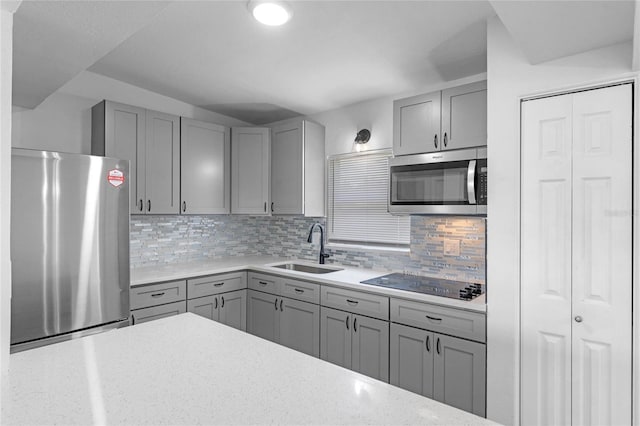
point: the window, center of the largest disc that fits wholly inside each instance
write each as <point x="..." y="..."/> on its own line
<point x="358" y="187"/>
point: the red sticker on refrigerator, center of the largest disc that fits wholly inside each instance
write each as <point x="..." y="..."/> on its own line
<point x="115" y="177"/>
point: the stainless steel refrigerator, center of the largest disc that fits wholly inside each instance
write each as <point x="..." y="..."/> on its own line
<point x="69" y="246"/>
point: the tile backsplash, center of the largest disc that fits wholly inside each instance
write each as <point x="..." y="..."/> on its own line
<point x="160" y="240"/>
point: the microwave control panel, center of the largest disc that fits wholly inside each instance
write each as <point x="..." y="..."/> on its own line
<point x="482" y="185"/>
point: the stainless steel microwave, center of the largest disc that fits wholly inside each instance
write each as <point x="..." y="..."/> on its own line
<point x="441" y="183"/>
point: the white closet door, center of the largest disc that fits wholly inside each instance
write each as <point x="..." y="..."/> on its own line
<point x="576" y="241"/>
<point x="546" y="261"/>
<point x="602" y="259"/>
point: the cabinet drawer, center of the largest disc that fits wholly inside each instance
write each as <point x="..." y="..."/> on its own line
<point x="157" y="294"/>
<point x="300" y="290"/>
<point x="156" y="312"/>
<point x="264" y="282"/>
<point x="215" y="284"/>
<point x="370" y="305"/>
<point x="455" y="322"/>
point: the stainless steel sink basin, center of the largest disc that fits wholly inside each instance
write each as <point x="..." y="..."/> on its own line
<point x="311" y="269"/>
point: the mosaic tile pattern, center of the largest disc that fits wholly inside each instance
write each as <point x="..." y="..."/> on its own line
<point x="158" y="240"/>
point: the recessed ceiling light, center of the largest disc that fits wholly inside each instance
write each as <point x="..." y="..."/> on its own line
<point x="270" y="12"/>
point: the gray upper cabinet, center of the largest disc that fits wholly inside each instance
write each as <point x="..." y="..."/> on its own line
<point x="356" y="342"/>
<point x="162" y="163"/>
<point x="416" y="124"/>
<point x="450" y="119"/>
<point x="205" y="164"/>
<point x="250" y="170"/>
<point x="150" y="140"/>
<point x="464" y="116"/>
<point x="298" y="168"/>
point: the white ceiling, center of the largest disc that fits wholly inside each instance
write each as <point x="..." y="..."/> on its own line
<point x="56" y="40"/>
<point x="213" y="54"/>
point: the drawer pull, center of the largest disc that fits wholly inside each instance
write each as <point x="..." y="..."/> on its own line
<point x="299" y="290"/>
<point x="434" y="318"/>
<point x="218" y="284"/>
<point x="158" y="294"/>
<point x="352" y="302"/>
<point x="262" y="283"/>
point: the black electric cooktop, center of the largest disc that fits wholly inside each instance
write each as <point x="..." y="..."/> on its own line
<point x="428" y="285"/>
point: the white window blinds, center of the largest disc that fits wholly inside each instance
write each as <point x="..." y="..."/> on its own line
<point x="357" y="202"/>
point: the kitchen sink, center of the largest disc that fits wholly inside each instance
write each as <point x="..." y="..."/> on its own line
<point x="311" y="269"/>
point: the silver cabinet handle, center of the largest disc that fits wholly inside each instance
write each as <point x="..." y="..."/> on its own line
<point x="141" y="205"/>
<point x="184" y="206"/>
<point x="428" y="344"/>
<point x="354" y="324"/>
<point x="158" y="294"/>
<point x="298" y="290"/>
<point x="222" y="298"/>
<point x="434" y="318"/>
<point x="444" y="139"/>
<point x="578" y="318"/>
<point x="216" y="305"/>
<point x="133" y="320"/>
<point x="346" y="321"/>
<point x="435" y="140"/>
<point x="272" y="207"/>
<point x="471" y="182"/>
<point x="265" y="206"/>
<point x="262" y="283"/>
<point x="148" y="205"/>
<point x="219" y="284"/>
<point x="438" y="346"/>
<point x="352" y="302"/>
<point x="280" y="304"/>
<point x="276" y="304"/>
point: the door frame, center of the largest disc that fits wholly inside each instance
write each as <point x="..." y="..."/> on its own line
<point x="633" y="78"/>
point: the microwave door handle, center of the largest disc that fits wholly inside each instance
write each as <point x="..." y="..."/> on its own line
<point x="471" y="182"/>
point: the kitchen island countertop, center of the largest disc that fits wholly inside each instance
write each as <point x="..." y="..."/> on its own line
<point x="189" y="370"/>
<point x="348" y="277"/>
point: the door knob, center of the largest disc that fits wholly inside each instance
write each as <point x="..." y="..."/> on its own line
<point x="578" y="318"/>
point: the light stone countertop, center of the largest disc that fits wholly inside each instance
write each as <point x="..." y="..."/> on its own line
<point x="187" y="370"/>
<point x="348" y="277"/>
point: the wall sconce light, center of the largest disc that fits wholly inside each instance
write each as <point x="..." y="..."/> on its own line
<point x="363" y="136"/>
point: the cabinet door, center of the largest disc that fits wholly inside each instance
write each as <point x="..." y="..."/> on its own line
<point x="207" y="307"/>
<point x="162" y="163"/>
<point x="124" y="134"/>
<point x="416" y="124"/>
<point x="370" y="347"/>
<point x="287" y="154"/>
<point x="262" y="315"/>
<point x="464" y="116"/>
<point x="250" y="170"/>
<point x="233" y="309"/>
<point x="460" y="373"/>
<point x="205" y="159"/>
<point x="335" y="336"/>
<point x="300" y="326"/>
<point x="411" y="359"/>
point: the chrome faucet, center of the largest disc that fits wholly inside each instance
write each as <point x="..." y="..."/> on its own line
<point x="323" y="255"/>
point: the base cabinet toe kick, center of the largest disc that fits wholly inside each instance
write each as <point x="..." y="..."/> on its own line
<point x="432" y="350"/>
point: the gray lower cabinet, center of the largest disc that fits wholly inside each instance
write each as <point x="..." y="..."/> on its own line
<point x="227" y="308"/>
<point x="289" y="322"/>
<point x="156" y="312"/>
<point x="356" y="342"/>
<point x="445" y="368"/>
